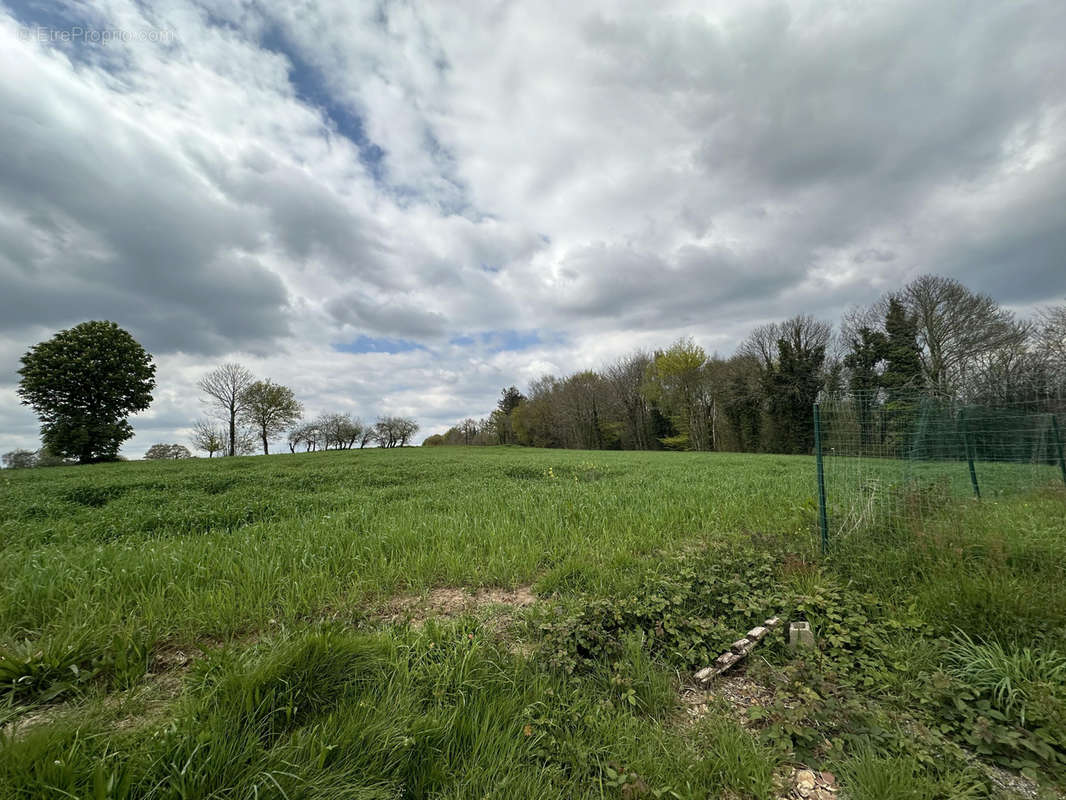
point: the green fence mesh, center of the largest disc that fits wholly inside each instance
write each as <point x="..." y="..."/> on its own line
<point x="887" y="458"/>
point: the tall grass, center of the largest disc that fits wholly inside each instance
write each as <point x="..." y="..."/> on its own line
<point x="279" y="569"/>
<point x="1020" y="681"/>
<point x="332" y="714"/>
<point x="148" y="553"/>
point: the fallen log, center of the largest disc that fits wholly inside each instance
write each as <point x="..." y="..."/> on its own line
<point x="737" y="651"/>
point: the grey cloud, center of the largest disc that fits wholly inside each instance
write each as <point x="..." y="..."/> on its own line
<point x="312" y="222"/>
<point x="121" y="229"/>
<point x="393" y="317"/>
<point x="693" y="284"/>
<point x="1018" y="261"/>
<point x="840" y="128"/>
<point x="873" y="254"/>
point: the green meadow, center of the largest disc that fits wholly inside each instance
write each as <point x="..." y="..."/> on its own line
<point x="512" y="623"/>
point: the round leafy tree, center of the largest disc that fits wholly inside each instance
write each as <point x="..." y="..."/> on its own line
<point x="83" y="383"/>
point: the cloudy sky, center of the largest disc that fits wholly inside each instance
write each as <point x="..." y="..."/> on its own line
<point x="401" y="207"/>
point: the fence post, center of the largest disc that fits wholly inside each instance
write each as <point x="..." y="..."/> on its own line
<point x="823" y="519"/>
<point x="1058" y="445"/>
<point x="969" y="453"/>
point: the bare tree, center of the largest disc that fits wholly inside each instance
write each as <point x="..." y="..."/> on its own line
<point x="368" y="435"/>
<point x="225" y="387"/>
<point x="761" y="344"/>
<point x="307" y="435"/>
<point x="469" y="430"/>
<point x="160" y="452"/>
<point x="1051" y="343"/>
<point x="394" y="431"/>
<point x="383" y="433"/>
<point x="580" y="401"/>
<point x="626" y="378"/>
<point x="270" y="408"/>
<point x="957" y="328"/>
<point x="339" y="430"/>
<point x="405" y="429"/>
<point x="208" y="437"/>
<point x="244" y="445"/>
<point x="19" y="459"/>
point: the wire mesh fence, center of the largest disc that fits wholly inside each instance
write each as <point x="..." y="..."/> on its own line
<point x="885" y="458"/>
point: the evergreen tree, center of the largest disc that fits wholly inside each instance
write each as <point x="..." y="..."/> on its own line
<point x="793" y="384"/>
<point x="902" y="376"/>
<point x="864" y="378"/>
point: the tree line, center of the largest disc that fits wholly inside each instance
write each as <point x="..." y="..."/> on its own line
<point x="249" y="413"/>
<point x="84" y="382"/>
<point x="932" y="337"/>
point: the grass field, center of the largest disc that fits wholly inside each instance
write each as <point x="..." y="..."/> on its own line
<point x="501" y="622"/>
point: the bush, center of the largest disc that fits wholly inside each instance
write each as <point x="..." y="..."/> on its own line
<point x="20" y="459"/>
<point x="159" y="452"/>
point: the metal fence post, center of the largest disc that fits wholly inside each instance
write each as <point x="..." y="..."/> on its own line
<point x="969" y="454"/>
<point x="823" y="519"/>
<point x="1058" y="445"/>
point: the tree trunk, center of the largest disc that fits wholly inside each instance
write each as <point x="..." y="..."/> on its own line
<point x="266" y="452"/>
<point x="232" y="430"/>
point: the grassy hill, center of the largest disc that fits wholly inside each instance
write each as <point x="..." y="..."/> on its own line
<point x="503" y="622"/>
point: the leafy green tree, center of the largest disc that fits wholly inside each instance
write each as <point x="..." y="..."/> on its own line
<point x="792" y="382"/>
<point x="270" y="408"/>
<point x="83" y="383"/>
<point x="510" y="399"/>
<point x="743" y="404"/>
<point x="678" y="381"/>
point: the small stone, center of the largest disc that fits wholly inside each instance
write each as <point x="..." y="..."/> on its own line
<point x="705" y="674"/>
<point x="800" y="635"/>
<point x="773" y="622"/>
<point x="805" y="779"/>
<point x="828" y="778"/>
<point x="759" y="633"/>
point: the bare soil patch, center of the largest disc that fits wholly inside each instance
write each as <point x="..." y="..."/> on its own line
<point x="453" y="602"/>
<point x="150" y="699"/>
<point x="738" y="692"/>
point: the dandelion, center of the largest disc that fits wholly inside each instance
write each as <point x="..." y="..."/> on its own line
<point x="528" y="730"/>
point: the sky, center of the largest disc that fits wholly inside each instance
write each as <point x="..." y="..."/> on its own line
<point x="403" y="207"/>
